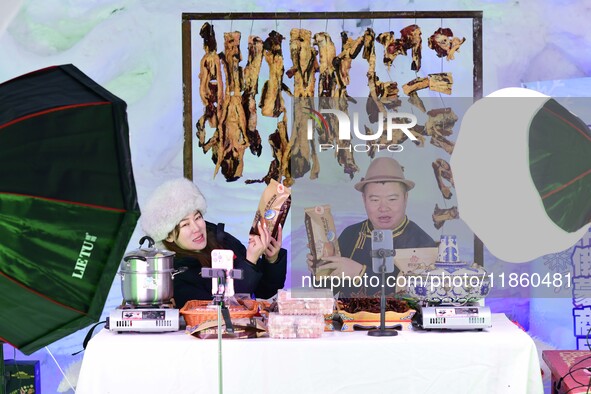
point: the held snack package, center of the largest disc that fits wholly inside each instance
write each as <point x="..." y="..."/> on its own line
<point x="322" y="236"/>
<point x="273" y="208"/>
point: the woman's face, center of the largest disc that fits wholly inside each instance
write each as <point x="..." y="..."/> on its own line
<point x="192" y="234"/>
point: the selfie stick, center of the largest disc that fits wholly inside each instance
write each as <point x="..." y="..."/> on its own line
<point x="382" y="331"/>
<point x="218" y="299"/>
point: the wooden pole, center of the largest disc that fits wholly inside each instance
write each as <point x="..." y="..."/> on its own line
<point x="187" y="100"/>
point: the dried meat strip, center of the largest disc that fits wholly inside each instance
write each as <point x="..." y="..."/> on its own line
<point x="440" y="215"/>
<point x="342" y="65"/>
<point x="392" y="47"/>
<point x="410" y="37"/>
<point x="373" y="106"/>
<point x="441" y="122"/>
<point x="305" y="64"/>
<point x="233" y="140"/>
<point x="251" y="81"/>
<point x="210" y="84"/>
<point x="327" y="85"/>
<point x="280" y="167"/>
<point x="441" y="82"/>
<point x="303" y="72"/>
<point x="442" y="171"/>
<point x="272" y="103"/>
<point x="444" y="43"/>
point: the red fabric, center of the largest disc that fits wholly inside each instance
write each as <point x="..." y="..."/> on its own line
<point x="560" y="363"/>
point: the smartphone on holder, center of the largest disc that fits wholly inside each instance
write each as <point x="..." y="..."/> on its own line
<point x="382" y="251"/>
<point x="224" y="259"/>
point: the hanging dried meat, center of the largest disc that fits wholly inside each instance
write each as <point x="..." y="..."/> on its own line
<point x="441" y="82"/>
<point x="272" y="103"/>
<point x="342" y="63"/>
<point x="440" y="125"/>
<point x="374" y="105"/>
<point x="410" y="37"/>
<point x="442" y="171"/>
<point x="392" y="47"/>
<point x="231" y="106"/>
<point x="303" y="72"/>
<point x="415" y="84"/>
<point x="382" y="95"/>
<point x="441" y="122"/>
<point x="327" y="53"/>
<point x="233" y="140"/>
<point x="280" y="167"/>
<point x="440" y="216"/>
<point x="342" y="66"/>
<point x="303" y="155"/>
<point x="387" y="93"/>
<point x="444" y="43"/>
<point x="305" y="65"/>
<point x="442" y="142"/>
<point x="281" y="152"/>
<point x="231" y="58"/>
<point x="210" y="83"/>
<point x="230" y="141"/>
<point x="251" y="82"/>
<point x="327" y="84"/>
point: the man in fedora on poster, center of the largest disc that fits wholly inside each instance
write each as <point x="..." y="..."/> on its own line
<point x="384" y="191"/>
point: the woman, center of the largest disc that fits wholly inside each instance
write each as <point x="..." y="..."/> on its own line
<point x="173" y="216"/>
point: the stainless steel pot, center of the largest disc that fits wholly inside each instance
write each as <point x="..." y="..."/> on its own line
<point x="147" y="275"/>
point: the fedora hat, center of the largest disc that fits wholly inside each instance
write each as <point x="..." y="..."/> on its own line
<point x="384" y="169"/>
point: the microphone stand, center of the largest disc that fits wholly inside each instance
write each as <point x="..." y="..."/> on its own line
<point x="382" y="331"/>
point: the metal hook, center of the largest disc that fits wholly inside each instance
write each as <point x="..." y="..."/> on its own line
<point x="251" y="25"/>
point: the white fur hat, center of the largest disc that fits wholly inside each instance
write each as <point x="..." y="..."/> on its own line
<point x="168" y="205"/>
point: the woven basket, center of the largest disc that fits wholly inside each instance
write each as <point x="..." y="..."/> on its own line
<point x="196" y="311"/>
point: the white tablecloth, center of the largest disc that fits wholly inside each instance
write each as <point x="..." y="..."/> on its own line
<point x="502" y="359"/>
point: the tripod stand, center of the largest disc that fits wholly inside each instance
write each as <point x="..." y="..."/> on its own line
<point x="382" y="331"/>
<point x="221" y="275"/>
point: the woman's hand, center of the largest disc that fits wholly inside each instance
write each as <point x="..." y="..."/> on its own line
<point x="257" y="244"/>
<point x="272" y="251"/>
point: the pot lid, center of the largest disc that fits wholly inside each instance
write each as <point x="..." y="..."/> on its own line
<point x="150" y="251"/>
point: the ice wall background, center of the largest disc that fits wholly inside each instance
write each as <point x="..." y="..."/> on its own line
<point x="133" y="48"/>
